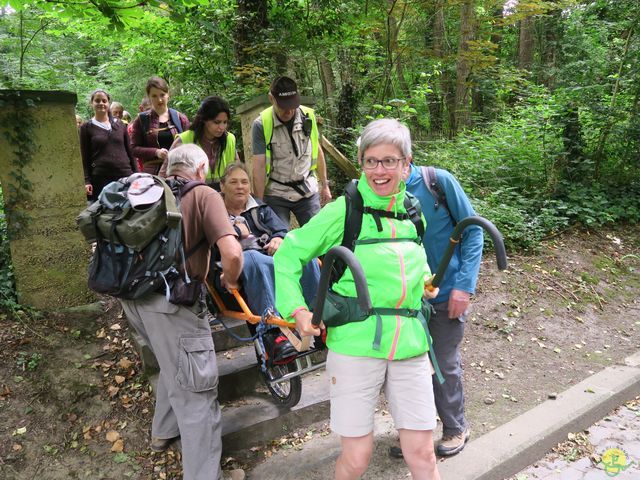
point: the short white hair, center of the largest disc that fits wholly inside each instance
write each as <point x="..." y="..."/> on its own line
<point x="385" y="131"/>
<point x="188" y="157"/>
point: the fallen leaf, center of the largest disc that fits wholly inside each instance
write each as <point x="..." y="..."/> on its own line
<point x="119" y="379"/>
<point x="101" y="333"/>
<point x="115" y="326"/>
<point x="113" y="391"/>
<point x="19" y="431"/>
<point x="125" y="363"/>
<point x="118" y="446"/>
<point x="112" y="436"/>
<point x="16" y="447"/>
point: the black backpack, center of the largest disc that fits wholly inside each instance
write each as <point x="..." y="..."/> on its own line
<point x="129" y="271"/>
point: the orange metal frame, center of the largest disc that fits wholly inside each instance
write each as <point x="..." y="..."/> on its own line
<point x="245" y="314"/>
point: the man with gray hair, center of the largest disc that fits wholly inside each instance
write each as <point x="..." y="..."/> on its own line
<point x="180" y="336"/>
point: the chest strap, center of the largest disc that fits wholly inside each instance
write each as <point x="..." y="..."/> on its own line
<point x="377" y="214"/>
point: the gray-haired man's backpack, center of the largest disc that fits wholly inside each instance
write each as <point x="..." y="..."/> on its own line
<point x="139" y="251"/>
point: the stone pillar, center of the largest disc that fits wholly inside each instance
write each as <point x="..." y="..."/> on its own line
<point x="49" y="255"/>
<point x="248" y="112"/>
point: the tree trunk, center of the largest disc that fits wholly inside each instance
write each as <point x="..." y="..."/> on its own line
<point x="252" y="21"/>
<point x="434" y="99"/>
<point x="525" y="47"/>
<point x="549" y="50"/>
<point x="461" y="118"/>
<point x="328" y="81"/>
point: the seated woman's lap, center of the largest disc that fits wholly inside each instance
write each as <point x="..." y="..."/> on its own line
<point x="258" y="281"/>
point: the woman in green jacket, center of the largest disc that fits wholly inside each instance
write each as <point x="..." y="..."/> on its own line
<point x="209" y="131"/>
<point x="387" y="351"/>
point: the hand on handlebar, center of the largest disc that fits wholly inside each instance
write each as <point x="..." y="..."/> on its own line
<point x="429" y="290"/>
<point x="304" y="325"/>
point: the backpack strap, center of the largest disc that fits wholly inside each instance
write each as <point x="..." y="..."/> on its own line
<point x="145" y="122"/>
<point x="175" y="119"/>
<point x="412" y="206"/>
<point x="430" y="179"/>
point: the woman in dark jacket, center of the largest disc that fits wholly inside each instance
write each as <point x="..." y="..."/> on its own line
<point x="153" y="131"/>
<point x="260" y="231"/>
<point x="104" y="145"/>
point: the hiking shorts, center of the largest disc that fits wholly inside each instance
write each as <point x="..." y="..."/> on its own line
<point x="355" y="384"/>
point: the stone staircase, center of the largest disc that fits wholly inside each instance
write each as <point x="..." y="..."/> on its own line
<point x="250" y="416"/>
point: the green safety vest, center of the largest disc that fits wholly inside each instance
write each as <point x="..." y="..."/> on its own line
<point x="267" y="125"/>
<point x="227" y="157"/>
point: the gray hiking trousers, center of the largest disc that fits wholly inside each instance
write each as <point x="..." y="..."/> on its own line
<point x="187" y="391"/>
<point x="447" y="336"/>
<point x="303" y="209"/>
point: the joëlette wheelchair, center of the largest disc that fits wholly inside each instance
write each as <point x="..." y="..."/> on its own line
<point x="283" y="378"/>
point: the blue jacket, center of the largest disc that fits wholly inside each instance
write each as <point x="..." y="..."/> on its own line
<point x="462" y="273"/>
<point x="272" y="224"/>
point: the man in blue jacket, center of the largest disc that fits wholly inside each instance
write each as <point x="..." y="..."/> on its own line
<point x="451" y="304"/>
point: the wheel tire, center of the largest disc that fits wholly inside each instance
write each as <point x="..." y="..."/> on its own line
<point x="288" y="392"/>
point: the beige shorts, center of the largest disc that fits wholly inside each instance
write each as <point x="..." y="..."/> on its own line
<point x="355" y="384"/>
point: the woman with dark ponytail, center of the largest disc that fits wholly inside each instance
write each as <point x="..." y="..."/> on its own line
<point x="104" y="145"/>
<point x="209" y="132"/>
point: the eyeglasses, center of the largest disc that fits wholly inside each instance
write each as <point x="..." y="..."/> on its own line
<point x="389" y="163"/>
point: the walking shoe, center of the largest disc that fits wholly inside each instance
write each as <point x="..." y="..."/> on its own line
<point x="237" y="474"/>
<point x="161" y="444"/>
<point x="278" y="347"/>
<point x="452" y="444"/>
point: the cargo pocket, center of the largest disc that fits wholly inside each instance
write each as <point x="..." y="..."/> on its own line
<point x="197" y="367"/>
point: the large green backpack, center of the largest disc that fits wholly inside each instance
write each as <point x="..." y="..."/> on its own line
<point x="137" y="251"/>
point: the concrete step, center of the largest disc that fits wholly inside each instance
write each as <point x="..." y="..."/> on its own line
<point x="256" y="418"/>
<point x="222" y="339"/>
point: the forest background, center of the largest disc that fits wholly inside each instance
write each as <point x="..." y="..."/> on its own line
<point x="534" y="105"/>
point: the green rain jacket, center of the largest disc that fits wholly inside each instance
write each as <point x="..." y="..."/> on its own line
<point x="395" y="273"/>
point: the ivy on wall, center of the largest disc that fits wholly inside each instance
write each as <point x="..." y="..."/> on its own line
<point x="18" y="127"/>
<point x="18" y="122"/>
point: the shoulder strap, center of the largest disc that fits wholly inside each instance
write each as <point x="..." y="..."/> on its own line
<point x="145" y="122"/>
<point x="430" y="179"/>
<point x="412" y="206"/>
<point x="175" y="119"/>
<point x="353" y="215"/>
<point x="352" y="226"/>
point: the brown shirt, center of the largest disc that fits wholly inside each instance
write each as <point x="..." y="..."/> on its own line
<point x="203" y="214"/>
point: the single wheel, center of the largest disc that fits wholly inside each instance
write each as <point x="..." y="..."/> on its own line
<point x="287" y="393"/>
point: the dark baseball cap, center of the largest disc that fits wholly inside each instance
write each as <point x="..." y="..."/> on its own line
<point x="285" y="93"/>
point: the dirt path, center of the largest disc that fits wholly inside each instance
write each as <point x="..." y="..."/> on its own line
<point x="74" y="404"/>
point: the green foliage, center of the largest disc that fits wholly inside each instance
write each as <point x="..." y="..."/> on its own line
<point x="28" y="361"/>
<point x="546" y="147"/>
<point x="8" y="299"/>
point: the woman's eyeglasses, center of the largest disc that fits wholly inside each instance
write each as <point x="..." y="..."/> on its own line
<point x="389" y="163"/>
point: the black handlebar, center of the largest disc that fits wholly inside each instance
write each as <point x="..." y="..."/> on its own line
<point x="362" y="289"/>
<point x="350" y="260"/>
<point x="496" y="236"/>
